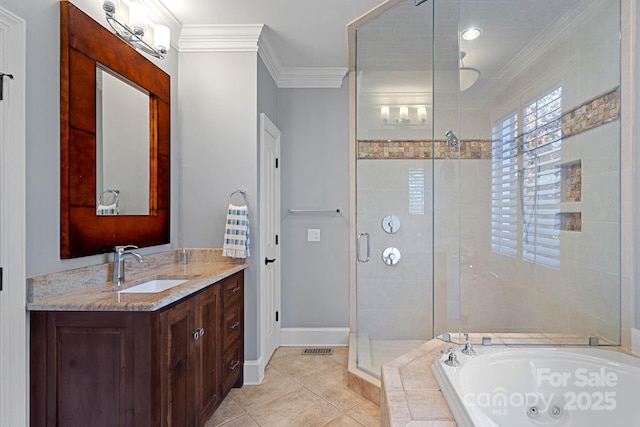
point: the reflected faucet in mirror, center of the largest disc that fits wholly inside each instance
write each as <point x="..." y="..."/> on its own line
<point x="119" y="255"/>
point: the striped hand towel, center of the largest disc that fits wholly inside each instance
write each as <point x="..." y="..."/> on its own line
<point x="236" y="233"/>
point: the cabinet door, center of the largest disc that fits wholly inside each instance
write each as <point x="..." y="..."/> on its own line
<point x="84" y="369"/>
<point x="179" y="322"/>
<point x="208" y="352"/>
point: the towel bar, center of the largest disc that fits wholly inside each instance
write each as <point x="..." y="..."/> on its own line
<point x="311" y="211"/>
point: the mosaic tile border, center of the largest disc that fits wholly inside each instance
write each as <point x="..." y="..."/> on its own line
<point x="422" y="149"/>
<point x="595" y="112"/>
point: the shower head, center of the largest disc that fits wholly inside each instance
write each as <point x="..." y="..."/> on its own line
<point x="452" y="140"/>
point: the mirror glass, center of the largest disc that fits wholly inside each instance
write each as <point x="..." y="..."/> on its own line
<point x="122" y="145"/>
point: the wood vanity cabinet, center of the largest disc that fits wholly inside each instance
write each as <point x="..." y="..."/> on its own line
<point x="168" y="368"/>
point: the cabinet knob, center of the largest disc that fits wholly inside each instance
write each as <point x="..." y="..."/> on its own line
<point x="235" y="325"/>
<point x="234" y="365"/>
<point x="198" y="333"/>
<point x="234" y="290"/>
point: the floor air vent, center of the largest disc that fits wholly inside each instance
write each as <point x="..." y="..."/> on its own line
<point x="317" y="351"/>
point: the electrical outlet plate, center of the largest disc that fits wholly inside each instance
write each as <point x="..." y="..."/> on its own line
<point x="313" y="235"/>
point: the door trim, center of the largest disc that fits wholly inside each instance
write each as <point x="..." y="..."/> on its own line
<point x="13" y="316"/>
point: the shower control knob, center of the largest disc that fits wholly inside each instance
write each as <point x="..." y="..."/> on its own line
<point x="391" y="224"/>
<point x="391" y="256"/>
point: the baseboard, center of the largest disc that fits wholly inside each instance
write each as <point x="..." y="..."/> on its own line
<point x="298" y="337"/>
<point x="253" y="372"/>
<point x="635" y="341"/>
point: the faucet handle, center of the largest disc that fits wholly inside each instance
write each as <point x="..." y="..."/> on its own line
<point x="468" y="347"/>
<point x="123" y="248"/>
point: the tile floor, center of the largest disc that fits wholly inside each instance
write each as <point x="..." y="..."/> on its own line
<point x="298" y="391"/>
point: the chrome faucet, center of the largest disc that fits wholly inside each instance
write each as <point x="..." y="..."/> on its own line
<point x="468" y="347"/>
<point x="451" y="358"/>
<point x="119" y="254"/>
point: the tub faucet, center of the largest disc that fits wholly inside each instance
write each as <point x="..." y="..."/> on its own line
<point x="452" y="359"/>
<point x="119" y="254"/>
<point x="468" y="347"/>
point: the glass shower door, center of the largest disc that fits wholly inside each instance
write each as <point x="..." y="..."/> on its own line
<point x="394" y="189"/>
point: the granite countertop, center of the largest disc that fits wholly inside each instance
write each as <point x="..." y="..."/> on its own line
<point x="87" y="290"/>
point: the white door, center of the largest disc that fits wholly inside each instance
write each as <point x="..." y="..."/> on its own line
<point x="13" y="317"/>
<point x="269" y="237"/>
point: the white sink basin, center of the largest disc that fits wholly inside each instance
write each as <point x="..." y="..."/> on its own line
<point x="153" y="286"/>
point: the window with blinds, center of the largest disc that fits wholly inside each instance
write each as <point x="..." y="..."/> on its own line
<point x="504" y="186"/>
<point x="542" y="179"/>
<point x="416" y="191"/>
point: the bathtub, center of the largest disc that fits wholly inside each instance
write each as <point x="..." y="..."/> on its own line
<point x="514" y="387"/>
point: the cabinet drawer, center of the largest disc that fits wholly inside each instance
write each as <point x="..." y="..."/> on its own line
<point x="232" y="326"/>
<point x="232" y="366"/>
<point x="232" y="290"/>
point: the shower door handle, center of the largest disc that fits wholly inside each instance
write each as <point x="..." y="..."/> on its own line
<point x="358" y="244"/>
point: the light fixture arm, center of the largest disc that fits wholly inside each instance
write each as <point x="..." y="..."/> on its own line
<point x="131" y="36"/>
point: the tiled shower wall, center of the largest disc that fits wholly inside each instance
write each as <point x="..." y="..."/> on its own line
<point x="496" y="293"/>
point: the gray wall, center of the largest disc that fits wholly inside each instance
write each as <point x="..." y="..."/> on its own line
<point x="267" y="96"/>
<point x="218" y="132"/>
<point x="315" y="172"/>
<point x="43" y="132"/>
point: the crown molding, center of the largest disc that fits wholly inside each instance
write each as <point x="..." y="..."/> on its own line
<point x="256" y="38"/>
<point x="220" y="38"/>
<point x="307" y="78"/>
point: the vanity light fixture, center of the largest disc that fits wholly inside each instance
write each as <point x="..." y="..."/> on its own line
<point x="133" y="32"/>
<point x="402" y="115"/>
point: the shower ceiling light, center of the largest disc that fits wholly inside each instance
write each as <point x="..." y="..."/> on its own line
<point x="468" y="77"/>
<point x="471" y="33"/>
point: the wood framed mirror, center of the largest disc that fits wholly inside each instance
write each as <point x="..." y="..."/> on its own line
<point x="86" y="46"/>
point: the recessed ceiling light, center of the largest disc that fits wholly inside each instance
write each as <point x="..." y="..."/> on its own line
<point x="471" y="33"/>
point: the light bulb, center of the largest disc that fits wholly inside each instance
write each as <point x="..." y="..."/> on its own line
<point x="161" y="38"/>
<point x="422" y="114"/>
<point x="384" y="113"/>
<point x="138" y="16"/>
<point x="404" y="114"/>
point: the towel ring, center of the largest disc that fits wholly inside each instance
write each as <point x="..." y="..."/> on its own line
<point x="116" y="195"/>
<point x="243" y="193"/>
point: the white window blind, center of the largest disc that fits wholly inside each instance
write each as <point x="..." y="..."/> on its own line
<point x="542" y="175"/>
<point x="416" y="191"/>
<point x="504" y="186"/>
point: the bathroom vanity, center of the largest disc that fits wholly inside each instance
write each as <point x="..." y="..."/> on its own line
<point x="103" y="357"/>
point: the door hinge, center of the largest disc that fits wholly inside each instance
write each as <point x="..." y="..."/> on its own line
<point x="277" y="315"/>
<point x="277" y="162"/>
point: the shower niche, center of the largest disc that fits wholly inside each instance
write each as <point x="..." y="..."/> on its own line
<point x="571" y="196"/>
